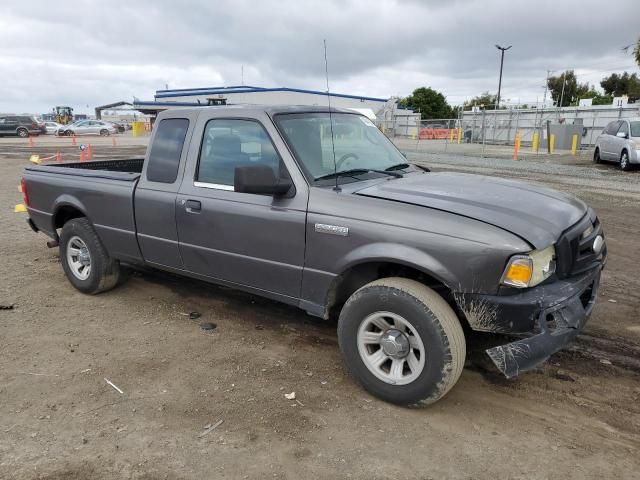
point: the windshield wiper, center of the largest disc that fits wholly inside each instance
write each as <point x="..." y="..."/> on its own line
<point x="357" y="171"/>
<point x="397" y="166"/>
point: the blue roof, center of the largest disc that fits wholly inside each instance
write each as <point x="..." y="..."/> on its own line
<point x="226" y="89"/>
<point x="185" y="92"/>
<point x="143" y="103"/>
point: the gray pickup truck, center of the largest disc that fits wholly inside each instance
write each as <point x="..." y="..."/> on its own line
<point x="317" y="208"/>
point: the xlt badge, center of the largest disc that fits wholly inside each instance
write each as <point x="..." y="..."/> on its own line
<point x="332" y="229"/>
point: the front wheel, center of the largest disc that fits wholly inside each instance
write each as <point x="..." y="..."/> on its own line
<point x="104" y="133"/>
<point x="596" y="156"/>
<point x="85" y="261"/>
<point x="624" y="161"/>
<point x="402" y="341"/>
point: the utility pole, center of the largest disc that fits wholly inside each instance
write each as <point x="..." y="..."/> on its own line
<point x="564" y="82"/>
<point x="546" y="86"/>
<point x="502" y="50"/>
<point x="544" y="98"/>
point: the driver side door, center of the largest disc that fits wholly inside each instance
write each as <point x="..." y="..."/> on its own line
<point x="245" y="239"/>
<point x="618" y="143"/>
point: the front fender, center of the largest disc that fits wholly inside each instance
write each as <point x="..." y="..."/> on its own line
<point x="400" y="254"/>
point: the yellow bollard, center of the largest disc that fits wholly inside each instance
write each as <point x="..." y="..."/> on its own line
<point x="451" y="131"/>
<point x="574" y="144"/>
<point x="35" y="159"/>
<point x="459" y="135"/>
<point x="552" y="142"/>
<point x="536" y="140"/>
<point x="20" y="208"/>
<point x="137" y="128"/>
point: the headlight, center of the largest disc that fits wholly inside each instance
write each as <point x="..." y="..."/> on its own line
<point x="531" y="269"/>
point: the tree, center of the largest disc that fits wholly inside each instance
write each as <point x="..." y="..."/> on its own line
<point x="625" y="84"/>
<point x="484" y="100"/>
<point x="636" y="52"/>
<point x="429" y="102"/>
<point x="565" y="88"/>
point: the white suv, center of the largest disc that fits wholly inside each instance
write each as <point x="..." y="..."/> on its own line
<point x="619" y="142"/>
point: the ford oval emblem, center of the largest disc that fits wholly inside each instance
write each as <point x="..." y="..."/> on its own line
<point x="598" y="244"/>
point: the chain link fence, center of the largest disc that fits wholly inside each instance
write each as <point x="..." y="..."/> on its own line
<point x="500" y="128"/>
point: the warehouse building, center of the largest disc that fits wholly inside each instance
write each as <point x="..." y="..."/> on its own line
<point x="383" y="111"/>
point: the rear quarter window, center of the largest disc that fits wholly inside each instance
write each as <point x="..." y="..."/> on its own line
<point x="166" y="150"/>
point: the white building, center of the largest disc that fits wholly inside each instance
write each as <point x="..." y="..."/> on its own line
<point x="380" y="110"/>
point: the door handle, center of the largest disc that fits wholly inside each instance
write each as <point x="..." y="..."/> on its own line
<point x="193" y="206"/>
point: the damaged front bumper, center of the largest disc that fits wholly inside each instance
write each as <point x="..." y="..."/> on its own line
<point x="560" y="310"/>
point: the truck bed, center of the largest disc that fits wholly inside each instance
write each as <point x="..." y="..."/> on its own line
<point x="101" y="190"/>
<point x="124" y="169"/>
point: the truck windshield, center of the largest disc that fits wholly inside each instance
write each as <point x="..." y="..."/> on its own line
<point x="359" y="145"/>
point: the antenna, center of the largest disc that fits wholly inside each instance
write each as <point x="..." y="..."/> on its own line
<point x="333" y="147"/>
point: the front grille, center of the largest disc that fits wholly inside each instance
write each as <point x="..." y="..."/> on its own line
<point x="575" y="254"/>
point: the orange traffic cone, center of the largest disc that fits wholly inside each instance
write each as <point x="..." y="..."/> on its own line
<point x="58" y="157"/>
<point x="89" y="152"/>
<point x="83" y="157"/>
<point x="73" y="140"/>
<point x="30" y="141"/>
<point x="113" y="140"/>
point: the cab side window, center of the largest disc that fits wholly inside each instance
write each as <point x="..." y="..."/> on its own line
<point x="228" y="144"/>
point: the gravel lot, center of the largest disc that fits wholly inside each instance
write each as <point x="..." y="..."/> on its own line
<point x="578" y="417"/>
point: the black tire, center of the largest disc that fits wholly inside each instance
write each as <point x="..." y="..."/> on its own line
<point x="22" y="132"/>
<point x="68" y="133"/>
<point x="625" y="164"/>
<point x="596" y="156"/>
<point x="104" y="133"/>
<point x="429" y="316"/>
<point x="104" y="272"/>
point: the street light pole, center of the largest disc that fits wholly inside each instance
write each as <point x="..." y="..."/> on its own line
<point x="502" y="50"/>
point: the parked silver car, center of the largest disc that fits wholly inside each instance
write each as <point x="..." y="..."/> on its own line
<point x="88" y="127"/>
<point x="52" y="127"/>
<point x="619" y="142"/>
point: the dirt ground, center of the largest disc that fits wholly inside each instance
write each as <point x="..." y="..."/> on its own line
<point x="577" y="417"/>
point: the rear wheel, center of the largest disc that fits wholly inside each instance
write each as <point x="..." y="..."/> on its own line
<point x="22" y="132"/>
<point x="104" y="132"/>
<point x="85" y="261"/>
<point x="624" y="161"/>
<point x="596" y="156"/>
<point x="402" y="341"/>
<point x="68" y="133"/>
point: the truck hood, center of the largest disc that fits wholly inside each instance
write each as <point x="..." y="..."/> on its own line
<point x="536" y="214"/>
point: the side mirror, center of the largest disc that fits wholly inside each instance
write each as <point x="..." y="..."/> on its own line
<point x="622" y="135"/>
<point x="261" y="180"/>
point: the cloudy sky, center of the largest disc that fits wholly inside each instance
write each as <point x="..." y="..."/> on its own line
<point x="87" y="53"/>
